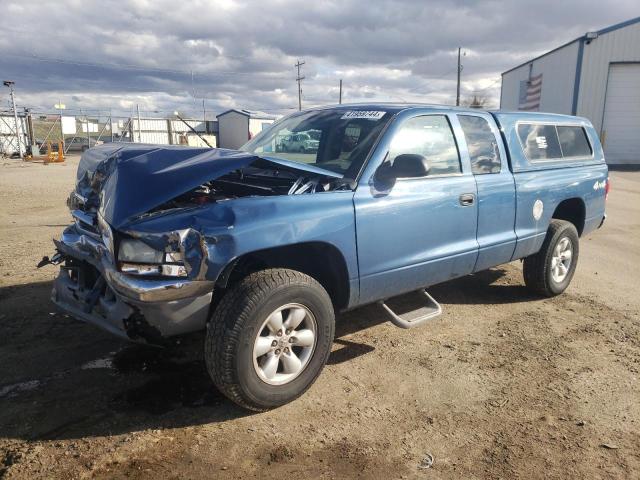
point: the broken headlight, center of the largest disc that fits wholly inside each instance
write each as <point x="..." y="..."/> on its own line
<point x="138" y="252"/>
<point x="137" y="258"/>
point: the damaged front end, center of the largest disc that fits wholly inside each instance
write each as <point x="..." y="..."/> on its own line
<point x="139" y="258"/>
<point x="137" y="301"/>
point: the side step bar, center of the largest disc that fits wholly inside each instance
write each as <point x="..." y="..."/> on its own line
<point x="411" y="310"/>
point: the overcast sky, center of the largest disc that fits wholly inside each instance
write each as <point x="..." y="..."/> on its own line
<point x="168" y="55"/>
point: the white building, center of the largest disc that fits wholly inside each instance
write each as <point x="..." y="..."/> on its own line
<point x="596" y="76"/>
<point x="236" y="127"/>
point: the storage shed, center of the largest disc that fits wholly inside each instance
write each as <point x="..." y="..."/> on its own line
<point x="236" y="127"/>
<point x="596" y="76"/>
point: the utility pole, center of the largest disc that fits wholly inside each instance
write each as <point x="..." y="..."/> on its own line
<point x="458" y="85"/>
<point x="204" y="116"/>
<point x="139" y="126"/>
<point x="299" y="79"/>
<point x="340" y="98"/>
<point x="10" y="84"/>
<point x="60" y="106"/>
<point x="86" y="117"/>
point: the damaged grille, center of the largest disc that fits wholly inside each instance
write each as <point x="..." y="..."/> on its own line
<point x="86" y="222"/>
<point x="87" y="285"/>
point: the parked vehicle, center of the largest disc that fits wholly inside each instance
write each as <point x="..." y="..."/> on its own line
<point x="71" y="144"/>
<point x="299" y="142"/>
<point x="81" y="144"/>
<point x="261" y="251"/>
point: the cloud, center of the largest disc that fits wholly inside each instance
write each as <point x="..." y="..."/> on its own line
<point x="166" y="55"/>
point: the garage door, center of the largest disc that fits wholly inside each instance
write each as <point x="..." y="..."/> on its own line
<point x="621" y="130"/>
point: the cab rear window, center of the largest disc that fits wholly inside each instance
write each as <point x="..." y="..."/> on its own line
<point x="553" y="142"/>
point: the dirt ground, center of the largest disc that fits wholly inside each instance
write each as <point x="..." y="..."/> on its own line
<point x="502" y="385"/>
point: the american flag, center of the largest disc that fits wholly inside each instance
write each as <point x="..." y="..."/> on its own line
<point x="530" y="93"/>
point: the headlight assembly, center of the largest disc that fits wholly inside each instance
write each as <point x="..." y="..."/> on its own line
<point x="137" y="258"/>
<point x="138" y="252"/>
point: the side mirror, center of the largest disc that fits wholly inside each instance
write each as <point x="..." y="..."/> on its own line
<point x="407" y="165"/>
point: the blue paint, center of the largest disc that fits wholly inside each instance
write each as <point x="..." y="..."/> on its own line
<point x="391" y="238"/>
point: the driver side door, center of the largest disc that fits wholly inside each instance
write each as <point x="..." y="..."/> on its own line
<point x="421" y="231"/>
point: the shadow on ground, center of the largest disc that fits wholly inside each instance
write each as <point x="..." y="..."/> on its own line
<point x="60" y="378"/>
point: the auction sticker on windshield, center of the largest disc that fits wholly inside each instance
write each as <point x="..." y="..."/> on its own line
<point x="368" y="114"/>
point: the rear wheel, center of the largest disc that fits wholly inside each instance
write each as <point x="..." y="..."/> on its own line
<point x="269" y="338"/>
<point x="549" y="272"/>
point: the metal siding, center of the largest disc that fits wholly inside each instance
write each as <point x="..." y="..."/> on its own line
<point x="510" y="92"/>
<point x="622" y="45"/>
<point x="157" y="138"/>
<point x="155" y="130"/>
<point x="8" y="136"/>
<point x="179" y="126"/>
<point x="621" y="123"/>
<point x="255" y="125"/>
<point x="150" y="124"/>
<point x="558" y="77"/>
<point x="233" y="130"/>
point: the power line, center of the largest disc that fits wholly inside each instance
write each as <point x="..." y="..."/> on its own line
<point x="431" y="79"/>
<point x="487" y="88"/>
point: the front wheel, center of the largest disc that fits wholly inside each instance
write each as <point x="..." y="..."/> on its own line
<point x="549" y="272"/>
<point x="269" y="338"/>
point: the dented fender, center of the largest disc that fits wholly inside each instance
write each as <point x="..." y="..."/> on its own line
<point x="213" y="235"/>
<point x="80" y="246"/>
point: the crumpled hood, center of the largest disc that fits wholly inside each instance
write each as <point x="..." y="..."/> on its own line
<point x="127" y="180"/>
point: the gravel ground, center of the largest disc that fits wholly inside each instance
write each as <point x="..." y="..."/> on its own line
<point x="502" y="385"/>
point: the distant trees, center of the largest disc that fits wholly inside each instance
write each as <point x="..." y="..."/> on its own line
<point x="477" y="101"/>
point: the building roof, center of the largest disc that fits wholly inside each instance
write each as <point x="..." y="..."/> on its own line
<point x="602" y="31"/>
<point x="249" y="113"/>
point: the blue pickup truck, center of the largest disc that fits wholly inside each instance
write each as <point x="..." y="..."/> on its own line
<point x="259" y="248"/>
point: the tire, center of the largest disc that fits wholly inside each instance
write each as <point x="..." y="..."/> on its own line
<point x="542" y="271"/>
<point x="242" y="315"/>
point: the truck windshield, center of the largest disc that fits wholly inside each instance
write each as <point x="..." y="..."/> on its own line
<point x="338" y="140"/>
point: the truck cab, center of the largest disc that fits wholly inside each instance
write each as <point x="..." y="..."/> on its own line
<point x="259" y="248"/>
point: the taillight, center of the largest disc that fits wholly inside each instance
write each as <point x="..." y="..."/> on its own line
<point x="607" y="187"/>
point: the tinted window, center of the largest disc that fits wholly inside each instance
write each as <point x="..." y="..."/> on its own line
<point x="573" y="141"/>
<point x="431" y="137"/>
<point x="540" y="142"/>
<point x="482" y="144"/>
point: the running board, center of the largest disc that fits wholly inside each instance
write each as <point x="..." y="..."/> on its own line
<point x="415" y="309"/>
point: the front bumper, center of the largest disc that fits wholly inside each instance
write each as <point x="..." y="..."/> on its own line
<point x="89" y="288"/>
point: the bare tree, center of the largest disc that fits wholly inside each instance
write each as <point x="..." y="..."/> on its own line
<point x="477" y="101"/>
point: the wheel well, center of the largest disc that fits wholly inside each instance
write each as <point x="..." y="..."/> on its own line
<point x="319" y="260"/>
<point x="572" y="210"/>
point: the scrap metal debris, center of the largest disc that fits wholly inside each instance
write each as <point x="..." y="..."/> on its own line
<point x="427" y="462"/>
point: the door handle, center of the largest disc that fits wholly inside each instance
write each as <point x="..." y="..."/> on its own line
<point x="467" y="199"/>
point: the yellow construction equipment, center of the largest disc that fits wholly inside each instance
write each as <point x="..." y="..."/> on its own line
<point x="55" y="157"/>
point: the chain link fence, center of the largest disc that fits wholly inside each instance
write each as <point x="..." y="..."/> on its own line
<point x="78" y="132"/>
